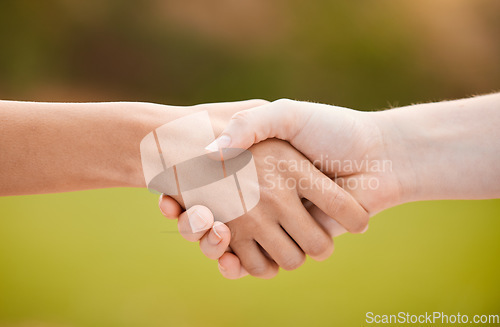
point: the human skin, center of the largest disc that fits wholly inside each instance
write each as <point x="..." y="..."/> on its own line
<point x="280" y="224"/>
<point x="442" y="150"/>
<point x="60" y="147"/>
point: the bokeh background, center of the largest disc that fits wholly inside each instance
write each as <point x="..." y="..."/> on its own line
<point x="108" y="257"/>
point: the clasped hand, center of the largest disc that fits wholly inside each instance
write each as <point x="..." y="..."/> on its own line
<point x="300" y="210"/>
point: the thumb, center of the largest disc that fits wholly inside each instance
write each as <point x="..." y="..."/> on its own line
<point x="280" y="119"/>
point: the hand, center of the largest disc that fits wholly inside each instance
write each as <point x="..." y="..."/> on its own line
<point x="345" y="144"/>
<point x="430" y="151"/>
<point x="279" y="231"/>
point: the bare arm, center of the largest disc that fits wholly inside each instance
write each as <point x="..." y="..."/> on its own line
<point x="452" y="148"/>
<point x="60" y="147"/>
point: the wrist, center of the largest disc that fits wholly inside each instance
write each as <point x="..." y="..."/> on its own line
<point x="395" y="175"/>
<point x="134" y="120"/>
<point x="402" y="143"/>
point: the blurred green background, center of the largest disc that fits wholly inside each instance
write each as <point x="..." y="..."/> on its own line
<point x="108" y="257"/>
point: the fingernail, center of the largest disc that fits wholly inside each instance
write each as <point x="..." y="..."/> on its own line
<point x="221" y="142"/>
<point x="221" y="267"/>
<point x="197" y="222"/>
<point x="217" y="237"/>
<point x="224" y="141"/>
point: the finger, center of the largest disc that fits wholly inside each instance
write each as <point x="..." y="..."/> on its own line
<point x="280" y="119"/>
<point x="169" y="207"/>
<point x="253" y="260"/>
<point x="195" y="222"/>
<point x="214" y="243"/>
<point x="333" y="200"/>
<point x="307" y="233"/>
<point x="281" y="248"/>
<point x="331" y="226"/>
<point x="230" y="266"/>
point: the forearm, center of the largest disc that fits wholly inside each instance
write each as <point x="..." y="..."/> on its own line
<point x="449" y="150"/>
<point x="59" y="147"/>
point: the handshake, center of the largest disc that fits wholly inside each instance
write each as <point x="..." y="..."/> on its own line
<point x="291" y="208"/>
<point x="319" y="171"/>
<point x="264" y="184"/>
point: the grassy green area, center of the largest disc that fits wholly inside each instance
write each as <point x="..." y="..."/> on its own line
<point x="108" y="258"/>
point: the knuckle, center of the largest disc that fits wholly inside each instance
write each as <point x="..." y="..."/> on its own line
<point x="283" y="102"/>
<point x="243" y="116"/>
<point x="293" y="115"/>
<point x="292" y="263"/>
<point x="238" y="240"/>
<point x="186" y="233"/>
<point x="272" y="272"/>
<point x="322" y="248"/>
<point x="341" y="203"/>
<point x="259" y="270"/>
